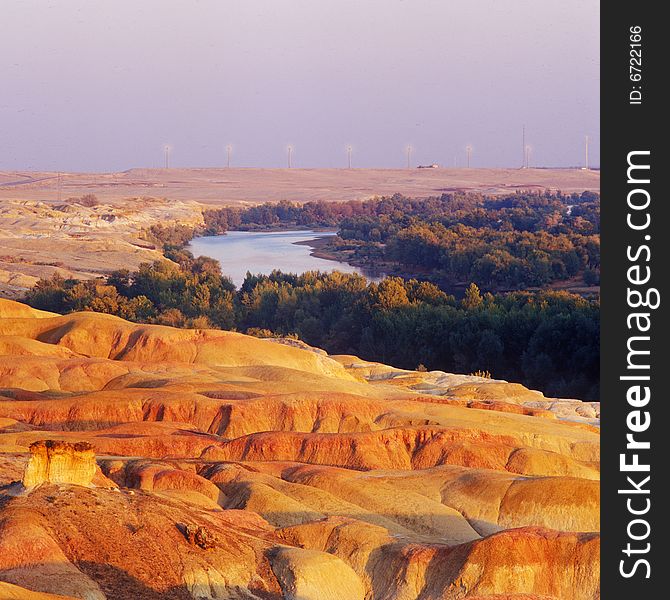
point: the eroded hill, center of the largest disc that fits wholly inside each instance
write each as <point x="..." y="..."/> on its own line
<point x="39" y="239"/>
<point x="140" y="461"/>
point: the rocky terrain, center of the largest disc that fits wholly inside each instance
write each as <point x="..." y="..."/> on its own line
<point x="145" y="462"/>
<point x="38" y="239"/>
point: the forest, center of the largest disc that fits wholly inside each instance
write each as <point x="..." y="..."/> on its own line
<point x="518" y="241"/>
<point x="547" y="340"/>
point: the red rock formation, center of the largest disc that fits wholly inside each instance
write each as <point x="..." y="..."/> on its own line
<point x="54" y="461"/>
<point x="235" y="467"/>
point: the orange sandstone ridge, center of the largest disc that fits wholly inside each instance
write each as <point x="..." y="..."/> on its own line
<point x="145" y="462"/>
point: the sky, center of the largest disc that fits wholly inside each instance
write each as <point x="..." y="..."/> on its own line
<point x="106" y="85"/>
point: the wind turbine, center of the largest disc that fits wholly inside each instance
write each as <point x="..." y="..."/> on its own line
<point x="229" y="151"/>
<point x="289" y="150"/>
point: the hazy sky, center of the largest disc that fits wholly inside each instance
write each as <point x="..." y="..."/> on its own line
<point x="104" y="85"/>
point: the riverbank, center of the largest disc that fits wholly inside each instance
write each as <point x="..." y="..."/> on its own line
<point x="323" y="247"/>
<point x="319" y="248"/>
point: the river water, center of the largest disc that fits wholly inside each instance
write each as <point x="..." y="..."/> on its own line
<point x="263" y="251"/>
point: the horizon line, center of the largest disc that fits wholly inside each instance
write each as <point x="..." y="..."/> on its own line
<point x="252" y="168"/>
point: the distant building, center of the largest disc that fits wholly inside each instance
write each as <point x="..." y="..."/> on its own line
<point x="433" y="166"/>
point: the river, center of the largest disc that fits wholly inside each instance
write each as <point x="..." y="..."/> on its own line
<point x="263" y="251"/>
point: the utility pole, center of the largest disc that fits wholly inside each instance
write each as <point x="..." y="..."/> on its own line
<point x="58" y="184"/>
<point x="523" y="146"/>
<point x="586" y="152"/>
<point x="229" y="150"/>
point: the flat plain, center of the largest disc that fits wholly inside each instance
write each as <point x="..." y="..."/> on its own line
<point x="226" y="186"/>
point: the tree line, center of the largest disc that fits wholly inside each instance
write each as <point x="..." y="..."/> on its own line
<point x="546" y="340"/>
<point x="503" y="243"/>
